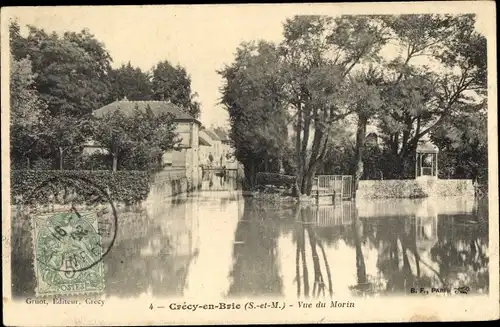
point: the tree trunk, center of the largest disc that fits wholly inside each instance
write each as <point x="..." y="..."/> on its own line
<point x="298" y="153"/>
<point x="61" y="158"/>
<point x="28" y="162"/>
<point x="407" y="165"/>
<point x="307" y="182"/>
<point x="318" y="152"/>
<point x="305" y="271"/>
<point x="357" y="170"/>
<point x="318" y="283"/>
<point x="115" y="162"/>
<point x="360" y="260"/>
<point x="249" y="170"/>
<point x="395" y="143"/>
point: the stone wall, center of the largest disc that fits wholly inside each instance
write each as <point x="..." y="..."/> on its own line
<point x="169" y="183"/>
<point x="454" y="187"/>
<point x="413" y="188"/>
<point x="376" y="189"/>
<point x="166" y="184"/>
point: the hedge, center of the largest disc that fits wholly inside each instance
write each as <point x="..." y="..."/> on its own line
<point x="275" y="179"/>
<point x="81" y="186"/>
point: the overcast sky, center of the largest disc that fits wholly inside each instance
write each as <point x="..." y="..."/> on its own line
<point x="200" y="38"/>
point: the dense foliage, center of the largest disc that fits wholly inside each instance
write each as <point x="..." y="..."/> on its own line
<point x="463" y="141"/>
<point x="254" y="94"/>
<point x="131" y="83"/>
<point x="163" y="82"/>
<point x="37" y="186"/>
<point x="410" y="76"/>
<point x="139" y="139"/>
<point x="174" y="84"/>
<point x="275" y="179"/>
<point x="57" y="81"/>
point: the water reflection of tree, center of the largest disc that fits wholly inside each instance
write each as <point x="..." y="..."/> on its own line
<point x="395" y="239"/>
<point x="461" y="252"/>
<point x="305" y="220"/>
<point x="459" y="248"/>
<point x="255" y="269"/>
<point x="357" y="230"/>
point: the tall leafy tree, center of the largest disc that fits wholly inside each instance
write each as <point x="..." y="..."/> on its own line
<point x="25" y="114"/>
<point x="364" y="88"/>
<point x="174" y="84"/>
<point x="320" y="53"/>
<point x="420" y="97"/>
<point x="16" y="41"/>
<point x="26" y="107"/>
<point x="70" y="74"/>
<point x="130" y="82"/>
<point x="254" y="96"/>
<point x="64" y="136"/>
<point x="463" y="143"/>
<point x="153" y="134"/>
<point x="71" y="70"/>
<point x="142" y="136"/>
<point x="111" y="131"/>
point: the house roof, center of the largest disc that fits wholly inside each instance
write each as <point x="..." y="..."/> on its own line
<point x="204" y="137"/>
<point x="212" y="135"/>
<point x="203" y="141"/>
<point x="127" y="107"/>
<point x="222" y="135"/>
<point x="427" y="147"/>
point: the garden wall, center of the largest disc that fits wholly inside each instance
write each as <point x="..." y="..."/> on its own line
<point x="454" y="187"/>
<point x="168" y="183"/>
<point x="412" y="188"/>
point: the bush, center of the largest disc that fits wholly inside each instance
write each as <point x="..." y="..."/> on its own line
<point x="82" y="186"/>
<point x="275" y="179"/>
<point x="96" y="161"/>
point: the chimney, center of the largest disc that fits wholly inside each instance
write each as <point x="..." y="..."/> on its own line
<point x="162" y="97"/>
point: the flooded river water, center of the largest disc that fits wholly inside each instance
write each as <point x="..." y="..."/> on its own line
<point x="218" y="243"/>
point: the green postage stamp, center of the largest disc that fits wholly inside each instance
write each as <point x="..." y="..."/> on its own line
<point x="67" y="253"/>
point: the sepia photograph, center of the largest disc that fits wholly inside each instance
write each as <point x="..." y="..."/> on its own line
<point x="222" y="164"/>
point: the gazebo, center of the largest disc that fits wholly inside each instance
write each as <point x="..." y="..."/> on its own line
<point x="426" y="164"/>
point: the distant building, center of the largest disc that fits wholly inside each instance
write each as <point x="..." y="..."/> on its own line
<point x="227" y="151"/>
<point x="372" y="140"/>
<point x="214" y="148"/>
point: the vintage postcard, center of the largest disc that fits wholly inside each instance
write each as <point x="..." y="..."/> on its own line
<point x="248" y="164"/>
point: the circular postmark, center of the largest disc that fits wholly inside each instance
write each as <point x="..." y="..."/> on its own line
<point x="74" y="226"/>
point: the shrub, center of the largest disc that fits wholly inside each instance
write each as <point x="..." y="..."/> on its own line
<point x="82" y="186"/>
<point x="96" y="161"/>
<point x="275" y="179"/>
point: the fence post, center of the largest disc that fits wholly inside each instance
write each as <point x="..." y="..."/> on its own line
<point x="317" y="190"/>
<point x="342" y="189"/>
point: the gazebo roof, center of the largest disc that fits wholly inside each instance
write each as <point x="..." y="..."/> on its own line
<point x="427" y="147"/>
